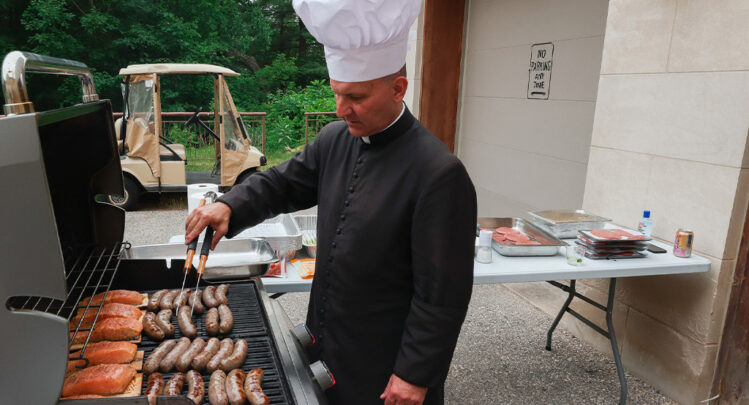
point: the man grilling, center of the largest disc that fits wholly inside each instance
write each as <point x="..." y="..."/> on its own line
<point x="396" y="216"/>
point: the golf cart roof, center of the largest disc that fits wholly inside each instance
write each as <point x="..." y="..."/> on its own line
<point x="176" y="68"/>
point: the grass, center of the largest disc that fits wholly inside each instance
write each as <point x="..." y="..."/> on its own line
<point x="200" y="159"/>
<point x="277" y="157"/>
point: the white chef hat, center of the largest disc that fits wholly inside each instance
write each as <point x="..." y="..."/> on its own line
<point x="363" y="39"/>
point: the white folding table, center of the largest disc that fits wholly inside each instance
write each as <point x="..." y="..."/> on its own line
<point x="551" y="268"/>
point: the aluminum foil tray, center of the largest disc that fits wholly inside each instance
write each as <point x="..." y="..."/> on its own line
<point x="549" y="244"/>
<point x="281" y="232"/>
<point x="308" y="225"/>
<point x="232" y="259"/>
<point x="567" y="223"/>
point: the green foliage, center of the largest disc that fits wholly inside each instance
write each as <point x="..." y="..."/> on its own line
<point x="263" y="40"/>
<point x="285" y="128"/>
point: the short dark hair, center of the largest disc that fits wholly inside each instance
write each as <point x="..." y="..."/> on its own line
<point x="402" y="72"/>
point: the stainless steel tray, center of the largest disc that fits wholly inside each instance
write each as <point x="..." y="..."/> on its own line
<point x="282" y="233"/>
<point x="232" y="259"/>
<point x="549" y="244"/>
<point x="308" y="226"/>
<point x="567" y="223"/>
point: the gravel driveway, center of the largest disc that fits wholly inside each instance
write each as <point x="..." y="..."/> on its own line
<point x="500" y="357"/>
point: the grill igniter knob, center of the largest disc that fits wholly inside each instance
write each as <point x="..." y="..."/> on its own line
<point x="303" y="335"/>
<point x="322" y="375"/>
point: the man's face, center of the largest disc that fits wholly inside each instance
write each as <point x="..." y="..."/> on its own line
<point x="367" y="107"/>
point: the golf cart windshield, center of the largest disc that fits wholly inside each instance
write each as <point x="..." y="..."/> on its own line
<point x="142" y="138"/>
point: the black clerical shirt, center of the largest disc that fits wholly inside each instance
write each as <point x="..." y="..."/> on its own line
<point x="394" y="271"/>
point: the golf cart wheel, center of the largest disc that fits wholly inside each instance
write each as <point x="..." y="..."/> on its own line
<point x="130" y="199"/>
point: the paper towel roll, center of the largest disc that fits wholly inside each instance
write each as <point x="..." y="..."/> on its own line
<point x="193" y="200"/>
<point x="200" y="188"/>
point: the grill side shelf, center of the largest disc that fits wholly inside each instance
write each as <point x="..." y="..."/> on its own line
<point x="250" y="323"/>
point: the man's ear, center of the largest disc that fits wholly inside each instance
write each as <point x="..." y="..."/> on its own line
<point x="399" y="86"/>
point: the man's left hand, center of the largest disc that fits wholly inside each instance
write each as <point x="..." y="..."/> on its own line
<point x="399" y="392"/>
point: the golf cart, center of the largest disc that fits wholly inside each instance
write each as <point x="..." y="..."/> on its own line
<point x="152" y="163"/>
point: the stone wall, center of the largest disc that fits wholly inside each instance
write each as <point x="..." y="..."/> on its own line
<point x="670" y="135"/>
<point x="528" y="154"/>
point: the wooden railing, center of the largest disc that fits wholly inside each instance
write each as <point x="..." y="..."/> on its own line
<point x="314" y="121"/>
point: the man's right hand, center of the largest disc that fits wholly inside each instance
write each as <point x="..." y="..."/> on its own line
<point x="216" y="215"/>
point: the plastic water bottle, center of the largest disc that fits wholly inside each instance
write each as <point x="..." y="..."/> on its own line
<point x="646" y="224"/>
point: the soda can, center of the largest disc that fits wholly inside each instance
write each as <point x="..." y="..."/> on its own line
<point x="683" y="243"/>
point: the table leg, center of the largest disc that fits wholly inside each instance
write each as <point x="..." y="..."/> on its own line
<point x="566" y="305"/>
<point x="614" y="346"/>
<point x="609" y="334"/>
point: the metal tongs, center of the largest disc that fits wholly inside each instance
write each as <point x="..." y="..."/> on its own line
<point x="204" y="250"/>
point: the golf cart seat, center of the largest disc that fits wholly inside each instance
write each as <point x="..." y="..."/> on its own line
<point x="166" y="154"/>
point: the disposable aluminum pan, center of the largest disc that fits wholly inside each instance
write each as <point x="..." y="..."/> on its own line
<point x="281" y="232"/>
<point x="232" y="259"/>
<point x="549" y="245"/>
<point x="308" y="225"/>
<point x="567" y="223"/>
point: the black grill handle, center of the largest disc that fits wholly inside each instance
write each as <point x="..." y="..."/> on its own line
<point x="205" y="249"/>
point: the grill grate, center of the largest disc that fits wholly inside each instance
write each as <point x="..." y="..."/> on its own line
<point x="250" y="323"/>
<point x="89" y="270"/>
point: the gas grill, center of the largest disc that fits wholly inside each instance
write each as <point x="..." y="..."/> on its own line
<point x="62" y="242"/>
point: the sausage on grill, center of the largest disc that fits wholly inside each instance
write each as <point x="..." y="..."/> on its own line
<point x="222" y="292"/>
<point x="154" y="299"/>
<point x="168" y="362"/>
<point x="211" y="322"/>
<point x="253" y="387"/>
<point x="164" y="321"/>
<point x="236" y="358"/>
<point x="196" y="302"/>
<point x="217" y="388"/>
<point x="185" y="322"/>
<point x="151" y="328"/>
<point x="209" y="297"/>
<point x="227" y="346"/>
<point x="195" y="388"/>
<point x="175" y="384"/>
<point x="183" y="364"/>
<point x="155" y="387"/>
<point x="154" y="359"/>
<point x="227" y="319"/>
<point x="167" y="300"/>
<point x="181" y="299"/>
<point x="234" y="387"/>
<point x="209" y="350"/>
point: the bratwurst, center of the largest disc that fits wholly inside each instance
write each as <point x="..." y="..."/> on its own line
<point x="217" y="388"/>
<point x="210" y="350"/>
<point x="234" y="389"/>
<point x="185" y="322"/>
<point x="187" y="357"/>
<point x="154" y="359"/>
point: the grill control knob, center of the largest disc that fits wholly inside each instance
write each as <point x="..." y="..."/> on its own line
<point x="322" y="375"/>
<point x="303" y="335"/>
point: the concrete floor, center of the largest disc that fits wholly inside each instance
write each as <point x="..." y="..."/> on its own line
<point x="500" y="356"/>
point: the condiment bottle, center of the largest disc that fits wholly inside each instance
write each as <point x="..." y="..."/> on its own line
<point x="484" y="252"/>
<point x="646" y="224"/>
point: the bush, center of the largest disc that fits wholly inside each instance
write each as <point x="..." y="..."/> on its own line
<point x="285" y="120"/>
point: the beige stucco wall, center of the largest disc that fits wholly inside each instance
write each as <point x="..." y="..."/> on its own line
<point x="670" y="135"/>
<point x="413" y="63"/>
<point x="526" y="154"/>
<point x="660" y="123"/>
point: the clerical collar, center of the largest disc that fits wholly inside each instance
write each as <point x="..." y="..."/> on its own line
<point x="392" y="131"/>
